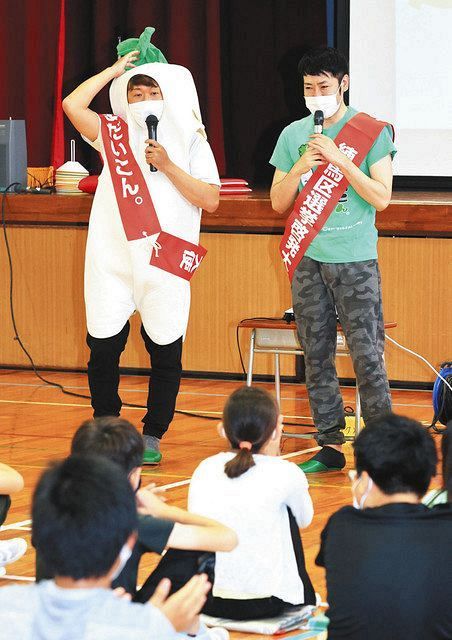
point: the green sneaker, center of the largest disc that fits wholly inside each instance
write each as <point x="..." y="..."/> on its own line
<point x="150" y="456"/>
<point x="327" y="459"/>
<point x="151" y="453"/>
<point x="314" y="466"/>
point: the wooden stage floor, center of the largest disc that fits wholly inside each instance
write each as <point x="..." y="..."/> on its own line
<point x="37" y="423"/>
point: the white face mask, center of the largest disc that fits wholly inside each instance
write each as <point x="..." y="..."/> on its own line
<point x="141" y="110"/>
<point x="327" y="104"/>
<point x="360" y="504"/>
<point x="124" y="555"/>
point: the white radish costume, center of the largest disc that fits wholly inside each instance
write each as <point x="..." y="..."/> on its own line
<point x="119" y="278"/>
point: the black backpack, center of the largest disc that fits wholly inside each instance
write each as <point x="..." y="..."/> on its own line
<point x="442" y="398"/>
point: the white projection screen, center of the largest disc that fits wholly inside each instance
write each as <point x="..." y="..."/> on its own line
<point x="401" y="71"/>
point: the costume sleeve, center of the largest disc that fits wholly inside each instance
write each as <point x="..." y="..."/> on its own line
<point x="382" y="147"/>
<point x="97" y="143"/>
<point x="153" y="533"/>
<point x="281" y="157"/>
<point x="202" y="162"/>
<point x="297" y="497"/>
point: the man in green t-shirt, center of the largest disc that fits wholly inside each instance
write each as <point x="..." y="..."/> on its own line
<point x="338" y="276"/>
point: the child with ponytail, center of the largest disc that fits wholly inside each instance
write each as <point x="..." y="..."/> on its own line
<point x="265" y="499"/>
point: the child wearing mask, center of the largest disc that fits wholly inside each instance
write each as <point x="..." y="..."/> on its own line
<point x="160" y="525"/>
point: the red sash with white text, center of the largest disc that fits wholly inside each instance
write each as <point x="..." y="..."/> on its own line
<point x="137" y="211"/>
<point x="177" y="256"/>
<point x="322" y="192"/>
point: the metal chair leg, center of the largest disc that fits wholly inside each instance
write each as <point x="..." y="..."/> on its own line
<point x="249" y="375"/>
<point x="277" y="380"/>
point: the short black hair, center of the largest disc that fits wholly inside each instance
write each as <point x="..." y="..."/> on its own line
<point x="83" y="513"/>
<point x="323" y="60"/>
<point x="397" y="453"/>
<point x="113" y="437"/>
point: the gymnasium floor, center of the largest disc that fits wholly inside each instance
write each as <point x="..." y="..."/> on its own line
<point x="37" y="423"/>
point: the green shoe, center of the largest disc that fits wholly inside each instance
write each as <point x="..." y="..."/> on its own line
<point x="151" y="453"/>
<point x="327" y="459"/>
<point x="315" y="466"/>
<point x="151" y="457"/>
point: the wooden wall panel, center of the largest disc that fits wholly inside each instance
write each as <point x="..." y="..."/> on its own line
<point x="241" y="277"/>
<point x="417" y="294"/>
<point x="48" y="296"/>
<point x="410" y="213"/>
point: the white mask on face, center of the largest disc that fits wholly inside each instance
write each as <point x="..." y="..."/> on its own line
<point x="124" y="555"/>
<point x="360" y="504"/>
<point x="327" y="104"/>
<point x="141" y="110"/>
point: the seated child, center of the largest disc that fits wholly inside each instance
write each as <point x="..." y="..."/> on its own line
<point x="387" y="572"/>
<point x="167" y="526"/>
<point x="84" y="526"/>
<point x="10" y="482"/>
<point x="264" y="499"/>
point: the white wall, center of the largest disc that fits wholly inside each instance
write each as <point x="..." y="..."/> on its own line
<point x="401" y="71"/>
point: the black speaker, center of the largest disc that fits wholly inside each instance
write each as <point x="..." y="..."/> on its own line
<point x="13" y="153"/>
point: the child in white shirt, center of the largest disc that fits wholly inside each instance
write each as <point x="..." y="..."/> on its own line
<point x="264" y="499"/>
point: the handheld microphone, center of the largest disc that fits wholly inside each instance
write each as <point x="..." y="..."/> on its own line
<point x="152" y="122"/>
<point x="318" y="121"/>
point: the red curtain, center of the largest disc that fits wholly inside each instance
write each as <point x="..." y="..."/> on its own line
<point x="28" y="40"/>
<point x="57" y="155"/>
<point x="187" y="31"/>
<point x="250" y="89"/>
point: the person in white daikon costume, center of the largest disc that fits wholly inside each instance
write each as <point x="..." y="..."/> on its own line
<point x="144" y="226"/>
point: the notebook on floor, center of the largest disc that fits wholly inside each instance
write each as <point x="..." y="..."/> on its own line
<point x="293" y="619"/>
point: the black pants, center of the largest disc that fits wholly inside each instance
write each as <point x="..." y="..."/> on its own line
<point x="164" y="380"/>
<point x="5" y="503"/>
<point x="180" y="566"/>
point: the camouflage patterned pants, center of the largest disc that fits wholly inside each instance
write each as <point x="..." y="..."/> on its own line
<point x="353" y="288"/>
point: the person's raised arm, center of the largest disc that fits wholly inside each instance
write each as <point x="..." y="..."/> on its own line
<point x="191" y="531"/>
<point x="76" y="104"/>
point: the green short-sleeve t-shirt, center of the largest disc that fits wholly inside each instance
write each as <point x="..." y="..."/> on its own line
<point x="349" y="234"/>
